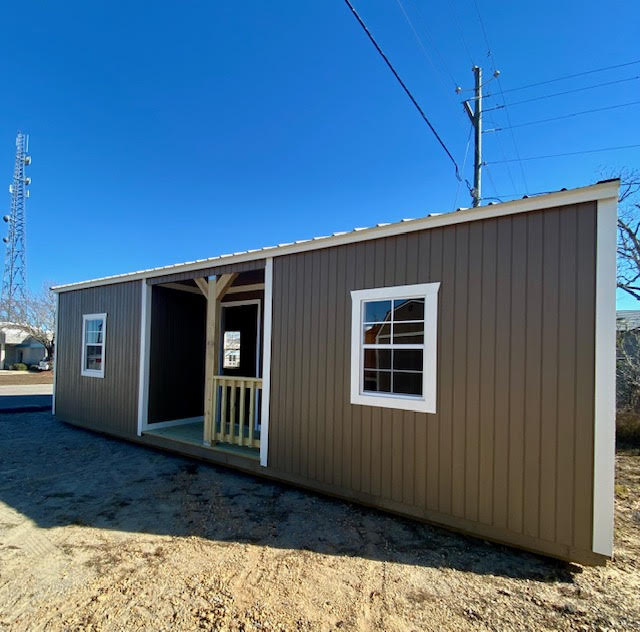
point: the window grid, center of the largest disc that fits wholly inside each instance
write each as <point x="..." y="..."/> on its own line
<point x="391" y="346"/>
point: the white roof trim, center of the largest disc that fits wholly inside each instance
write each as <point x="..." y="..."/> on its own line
<point x="600" y="191"/>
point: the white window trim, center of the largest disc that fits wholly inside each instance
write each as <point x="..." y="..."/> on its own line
<point x="424" y="404"/>
<point x="93" y="372"/>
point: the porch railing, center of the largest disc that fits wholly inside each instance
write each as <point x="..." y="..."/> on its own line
<point x="236" y="410"/>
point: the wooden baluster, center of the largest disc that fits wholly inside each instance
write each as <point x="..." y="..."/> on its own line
<point x="241" y="387"/>
<point x="214" y="412"/>
<point x="223" y="409"/>
<point x="252" y="407"/>
<point x="232" y="412"/>
<point x="258" y="391"/>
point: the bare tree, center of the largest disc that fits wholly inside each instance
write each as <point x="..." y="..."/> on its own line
<point x="628" y="339"/>
<point x="629" y="233"/>
<point x="40" y="318"/>
<point x="38" y="321"/>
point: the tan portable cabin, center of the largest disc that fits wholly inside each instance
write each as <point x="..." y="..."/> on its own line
<point x="457" y="369"/>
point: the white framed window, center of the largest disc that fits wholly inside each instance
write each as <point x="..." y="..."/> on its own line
<point x="94" y="335"/>
<point x="231" y="350"/>
<point x="393" y="347"/>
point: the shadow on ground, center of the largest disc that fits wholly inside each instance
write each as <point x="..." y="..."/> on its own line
<point x="59" y="475"/>
<point x="24" y="403"/>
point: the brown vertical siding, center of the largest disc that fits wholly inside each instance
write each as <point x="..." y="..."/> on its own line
<point x="509" y="453"/>
<point x="109" y="403"/>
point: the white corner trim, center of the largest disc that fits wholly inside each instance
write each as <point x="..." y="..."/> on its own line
<point x="93" y="372"/>
<point x="143" y="360"/>
<point x="425" y="404"/>
<point x="266" y="362"/>
<point x="55" y="355"/>
<point x="605" y="378"/>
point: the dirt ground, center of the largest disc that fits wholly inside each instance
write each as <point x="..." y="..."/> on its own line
<point x="98" y="534"/>
<point x="14" y="378"/>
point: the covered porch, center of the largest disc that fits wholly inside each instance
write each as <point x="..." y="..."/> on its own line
<point x="203" y="361"/>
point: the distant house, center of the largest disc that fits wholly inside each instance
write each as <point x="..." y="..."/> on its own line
<point x="16" y="345"/>
<point x="627" y="319"/>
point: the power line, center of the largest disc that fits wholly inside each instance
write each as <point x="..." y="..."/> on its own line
<point x="493" y="184"/>
<point x="506" y="111"/>
<point x="513" y="138"/>
<point x="570" y="153"/>
<point x="461" y="32"/>
<point x="464" y="163"/>
<point x="566" y="116"/>
<point x="557" y="94"/>
<point x="422" y="46"/>
<point x="404" y="87"/>
<point x="484" y="31"/>
<point x="577" y="74"/>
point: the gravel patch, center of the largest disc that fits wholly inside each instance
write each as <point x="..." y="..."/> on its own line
<point x="100" y="534"/>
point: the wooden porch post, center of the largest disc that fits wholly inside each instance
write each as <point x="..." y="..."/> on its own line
<point x="210" y="360"/>
<point x="216" y="289"/>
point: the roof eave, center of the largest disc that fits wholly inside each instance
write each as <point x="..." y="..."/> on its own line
<point x="600" y="191"/>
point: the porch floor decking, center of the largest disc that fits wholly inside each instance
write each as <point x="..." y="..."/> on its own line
<point x="192" y="433"/>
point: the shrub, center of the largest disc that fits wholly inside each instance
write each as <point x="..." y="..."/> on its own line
<point x="19" y="366"/>
<point x="628" y="428"/>
<point x="34" y="368"/>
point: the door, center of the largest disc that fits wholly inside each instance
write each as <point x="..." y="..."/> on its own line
<point x="240" y="344"/>
<point x="239" y="357"/>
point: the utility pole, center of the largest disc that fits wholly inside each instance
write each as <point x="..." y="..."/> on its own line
<point x="475" y="115"/>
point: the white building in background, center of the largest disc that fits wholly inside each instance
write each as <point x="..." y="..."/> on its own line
<point x="16" y="345"/>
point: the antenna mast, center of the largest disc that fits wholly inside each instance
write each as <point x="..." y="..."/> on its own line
<point x="14" y="278"/>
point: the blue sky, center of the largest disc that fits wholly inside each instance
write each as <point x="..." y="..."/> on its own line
<point x="186" y="130"/>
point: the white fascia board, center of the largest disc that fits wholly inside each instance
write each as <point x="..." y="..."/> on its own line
<point x="604" y="452"/>
<point x="591" y="193"/>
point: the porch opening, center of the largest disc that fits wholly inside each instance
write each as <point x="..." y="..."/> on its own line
<point x="178" y="363"/>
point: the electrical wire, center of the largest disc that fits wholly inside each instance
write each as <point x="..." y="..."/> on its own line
<point x="491" y="57"/>
<point x="437" y="68"/>
<point x="493" y="184"/>
<point x="484" y="31"/>
<point x="404" y="87"/>
<point x="461" y="32"/>
<point x="566" y="116"/>
<point x="513" y="139"/>
<point x="577" y="74"/>
<point x="464" y="164"/>
<point x="557" y="94"/>
<point x="570" y="153"/>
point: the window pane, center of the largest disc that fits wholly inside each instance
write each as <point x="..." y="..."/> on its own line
<point x="408" y="309"/>
<point x="377" y="334"/>
<point x="94" y="357"/>
<point x="407" y="383"/>
<point x="408" y="333"/>
<point x="377" y="311"/>
<point x="94" y="337"/>
<point x="377" y="358"/>
<point x="94" y="325"/>
<point x="377" y="381"/>
<point x="407" y="359"/>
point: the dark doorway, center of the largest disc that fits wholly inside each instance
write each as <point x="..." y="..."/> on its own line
<point x="176" y="364"/>
<point x="239" y="340"/>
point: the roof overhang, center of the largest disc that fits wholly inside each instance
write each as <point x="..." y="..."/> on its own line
<point x="602" y="190"/>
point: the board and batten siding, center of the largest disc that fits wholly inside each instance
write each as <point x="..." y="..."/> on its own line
<point x="509" y="453"/>
<point x="109" y="404"/>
